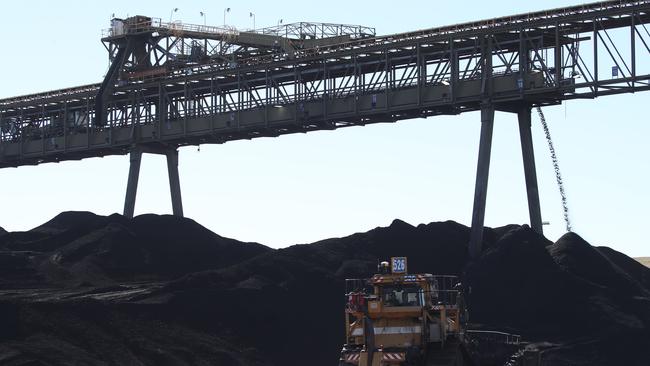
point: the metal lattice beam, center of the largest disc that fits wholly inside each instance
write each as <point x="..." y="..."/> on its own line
<point x="539" y="58"/>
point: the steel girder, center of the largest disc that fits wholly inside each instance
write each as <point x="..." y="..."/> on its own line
<point x="540" y="59"/>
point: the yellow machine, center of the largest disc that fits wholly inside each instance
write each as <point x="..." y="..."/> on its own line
<point x="396" y="318"/>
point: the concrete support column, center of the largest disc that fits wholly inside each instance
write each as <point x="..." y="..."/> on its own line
<point x="529" y="169"/>
<point x="174" y="182"/>
<point x="132" y="185"/>
<point x="134" y="172"/>
<point x="482" y="175"/>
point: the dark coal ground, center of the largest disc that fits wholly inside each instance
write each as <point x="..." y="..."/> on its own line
<point x="84" y="289"/>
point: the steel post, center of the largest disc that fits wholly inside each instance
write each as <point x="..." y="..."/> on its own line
<point x="482" y="175"/>
<point x="134" y="172"/>
<point x="174" y="182"/>
<point x="132" y="185"/>
<point x="530" y="171"/>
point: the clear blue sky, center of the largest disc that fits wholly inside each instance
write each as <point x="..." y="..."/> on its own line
<point x="302" y="188"/>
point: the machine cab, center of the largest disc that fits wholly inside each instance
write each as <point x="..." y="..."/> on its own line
<point x="393" y="316"/>
<point x="393" y="292"/>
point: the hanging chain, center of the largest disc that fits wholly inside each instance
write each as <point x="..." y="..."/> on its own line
<point x="556" y="167"/>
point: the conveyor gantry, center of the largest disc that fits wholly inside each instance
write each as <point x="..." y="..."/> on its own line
<point x="176" y="85"/>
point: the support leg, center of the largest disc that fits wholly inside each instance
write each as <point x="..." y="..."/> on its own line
<point x="482" y="174"/>
<point x="174" y="182"/>
<point x="132" y="185"/>
<point x="529" y="169"/>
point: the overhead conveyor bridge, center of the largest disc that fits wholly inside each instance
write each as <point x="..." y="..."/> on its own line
<point x="172" y="85"/>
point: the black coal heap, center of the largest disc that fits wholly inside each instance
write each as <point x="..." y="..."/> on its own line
<point x="159" y="290"/>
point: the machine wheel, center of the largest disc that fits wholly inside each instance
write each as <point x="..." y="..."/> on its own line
<point x="460" y="357"/>
<point x="450" y="355"/>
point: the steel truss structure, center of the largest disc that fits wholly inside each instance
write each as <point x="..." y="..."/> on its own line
<point x="172" y="85"/>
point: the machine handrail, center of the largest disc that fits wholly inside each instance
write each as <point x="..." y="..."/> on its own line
<point x="506" y="338"/>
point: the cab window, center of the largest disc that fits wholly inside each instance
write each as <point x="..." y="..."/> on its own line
<point x="401" y="296"/>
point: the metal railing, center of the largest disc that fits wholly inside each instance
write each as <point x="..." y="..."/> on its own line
<point x="303" y="30"/>
<point x="444" y="289"/>
<point x="494" y="337"/>
<point x="128" y="26"/>
<point x="49" y="95"/>
<point x="521" y="20"/>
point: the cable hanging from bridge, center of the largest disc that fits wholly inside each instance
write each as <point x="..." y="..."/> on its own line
<point x="556" y="167"/>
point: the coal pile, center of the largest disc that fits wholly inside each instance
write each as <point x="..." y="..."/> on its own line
<point x="159" y="290"/>
<point x="592" y="302"/>
<point x="83" y="249"/>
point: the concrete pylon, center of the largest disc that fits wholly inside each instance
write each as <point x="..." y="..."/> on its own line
<point x="174" y="182"/>
<point x="135" y="159"/>
<point x="171" y="154"/>
<point x="482" y="175"/>
<point x="530" y="170"/>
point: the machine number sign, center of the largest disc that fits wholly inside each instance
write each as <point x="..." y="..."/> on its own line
<point x="398" y="264"/>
